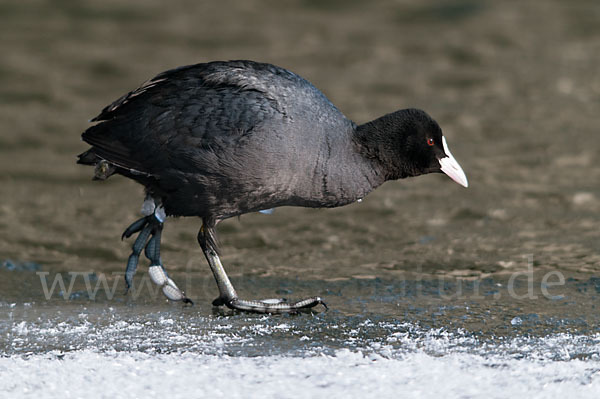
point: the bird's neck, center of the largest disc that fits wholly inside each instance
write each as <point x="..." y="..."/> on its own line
<point x="376" y="144"/>
<point x="346" y="175"/>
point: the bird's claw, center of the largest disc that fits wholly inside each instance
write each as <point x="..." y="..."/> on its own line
<point x="150" y="229"/>
<point x="279" y="305"/>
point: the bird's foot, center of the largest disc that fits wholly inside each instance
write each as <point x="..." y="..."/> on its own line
<point x="269" y="305"/>
<point x="150" y="229"/>
<point x="227" y="294"/>
<point x="159" y="276"/>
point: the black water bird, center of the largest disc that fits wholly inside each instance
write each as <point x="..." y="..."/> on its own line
<point x="221" y="139"/>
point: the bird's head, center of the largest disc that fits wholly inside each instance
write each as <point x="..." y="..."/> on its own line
<point x="409" y="143"/>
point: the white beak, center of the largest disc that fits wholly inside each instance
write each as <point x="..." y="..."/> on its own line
<point x="451" y="167"/>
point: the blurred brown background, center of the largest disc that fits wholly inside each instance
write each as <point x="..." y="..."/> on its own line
<point x="515" y="86"/>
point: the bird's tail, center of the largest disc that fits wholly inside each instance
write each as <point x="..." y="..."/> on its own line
<point x="88" y="158"/>
<point x="103" y="169"/>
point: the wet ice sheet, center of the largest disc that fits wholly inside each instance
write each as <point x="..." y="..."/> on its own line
<point x="143" y="351"/>
<point x="379" y="339"/>
<point x="37" y="329"/>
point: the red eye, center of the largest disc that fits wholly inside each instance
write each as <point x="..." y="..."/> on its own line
<point x="430" y="142"/>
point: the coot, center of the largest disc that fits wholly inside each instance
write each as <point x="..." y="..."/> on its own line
<point x="221" y="139"/>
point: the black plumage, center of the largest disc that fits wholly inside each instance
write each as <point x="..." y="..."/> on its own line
<point x="222" y="139"/>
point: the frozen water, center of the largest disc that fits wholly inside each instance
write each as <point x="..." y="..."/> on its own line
<point x="380" y="339"/>
<point x="343" y="374"/>
<point x="129" y="352"/>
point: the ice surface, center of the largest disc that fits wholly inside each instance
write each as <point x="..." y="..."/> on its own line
<point x="127" y="352"/>
<point x="344" y="374"/>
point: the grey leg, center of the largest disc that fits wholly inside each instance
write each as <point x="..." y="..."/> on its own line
<point x="158" y="273"/>
<point x="227" y="294"/>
